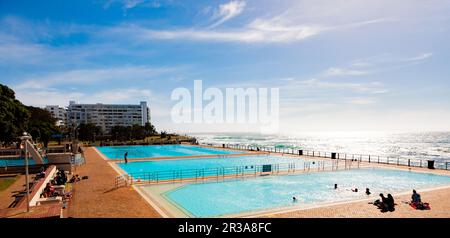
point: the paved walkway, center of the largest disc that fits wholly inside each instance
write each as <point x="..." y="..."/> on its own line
<point x="97" y="197"/>
<point x="438" y="199"/>
<point x="6" y="196"/>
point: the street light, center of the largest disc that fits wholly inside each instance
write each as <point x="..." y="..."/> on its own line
<point x="25" y="139"/>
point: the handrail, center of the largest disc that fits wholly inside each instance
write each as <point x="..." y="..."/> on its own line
<point x="410" y="162"/>
<point x="221" y="173"/>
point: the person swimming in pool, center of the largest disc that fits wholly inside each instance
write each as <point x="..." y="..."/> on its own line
<point x="294" y="199"/>
<point x="335" y="186"/>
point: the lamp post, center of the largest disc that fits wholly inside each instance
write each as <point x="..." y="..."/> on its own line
<point x="25" y="139"/>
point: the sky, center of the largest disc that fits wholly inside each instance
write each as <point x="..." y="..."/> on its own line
<point x="340" y="65"/>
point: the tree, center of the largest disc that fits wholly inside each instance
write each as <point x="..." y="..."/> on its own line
<point x="88" y="132"/>
<point x="42" y="125"/>
<point x="13" y="116"/>
<point x="150" y="129"/>
<point x="138" y="132"/>
<point x="120" y="133"/>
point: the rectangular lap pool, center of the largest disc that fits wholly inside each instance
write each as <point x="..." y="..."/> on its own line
<point x="204" y="167"/>
<point x="9" y="162"/>
<point x="255" y="194"/>
<point x="154" y="151"/>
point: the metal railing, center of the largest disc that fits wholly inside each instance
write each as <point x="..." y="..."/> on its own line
<point x="233" y="172"/>
<point x="10" y="152"/>
<point x="423" y="163"/>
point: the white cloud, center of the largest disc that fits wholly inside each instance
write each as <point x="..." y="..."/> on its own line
<point x="419" y="57"/>
<point x="128" y="4"/>
<point x="228" y="11"/>
<point x="314" y="83"/>
<point x="92" y="75"/>
<point x="257" y="31"/>
<point x="362" y="101"/>
<point x="44" y="97"/>
<point x="344" y="72"/>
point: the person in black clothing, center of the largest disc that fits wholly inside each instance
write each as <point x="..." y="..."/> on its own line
<point x="125" y="157"/>
<point x="390" y="203"/>
<point x="381" y="204"/>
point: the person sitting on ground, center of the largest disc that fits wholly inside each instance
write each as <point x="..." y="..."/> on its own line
<point x="390" y="203"/>
<point x="381" y="204"/>
<point x="416" y="202"/>
<point x="48" y="190"/>
<point x="415" y="198"/>
<point x="63" y="177"/>
<point x="368" y="192"/>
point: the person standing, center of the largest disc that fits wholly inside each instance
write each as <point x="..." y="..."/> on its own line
<point x="125" y="157"/>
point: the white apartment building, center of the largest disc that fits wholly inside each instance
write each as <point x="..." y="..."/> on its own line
<point x="59" y="113"/>
<point x="108" y="115"/>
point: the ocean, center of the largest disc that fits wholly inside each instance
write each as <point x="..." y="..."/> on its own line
<point x="424" y="145"/>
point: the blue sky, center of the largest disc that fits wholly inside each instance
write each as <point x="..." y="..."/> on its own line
<point x="340" y="65"/>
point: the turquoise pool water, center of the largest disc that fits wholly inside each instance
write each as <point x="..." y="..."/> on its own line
<point x="6" y="162"/>
<point x="194" y="167"/>
<point x="153" y="151"/>
<point x="220" y="198"/>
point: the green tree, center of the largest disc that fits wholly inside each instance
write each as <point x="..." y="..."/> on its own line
<point x="150" y="129"/>
<point x="88" y="132"/>
<point x="138" y="132"/>
<point x="120" y="133"/>
<point x="13" y="116"/>
<point x="42" y="126"/>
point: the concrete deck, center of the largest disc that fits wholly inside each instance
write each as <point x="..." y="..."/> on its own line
<point x="97" y="196"/>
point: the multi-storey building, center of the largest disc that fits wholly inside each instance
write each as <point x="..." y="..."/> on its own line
<point x="108" y="115"/>
<point x="59" y="113"/>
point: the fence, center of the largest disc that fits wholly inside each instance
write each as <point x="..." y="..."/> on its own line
<point x="10" y="152"/>
<point x="444" y="164"/>
<point x="222" y="173"/>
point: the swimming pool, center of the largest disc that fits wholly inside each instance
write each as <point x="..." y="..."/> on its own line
<point x="237" y="196"/>
<point x="7" y="162"/>
<point x="153" y="151"/>
<point x="167" y="169"/>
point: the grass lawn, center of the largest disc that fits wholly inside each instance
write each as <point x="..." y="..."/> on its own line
<point x="6" y="181"/>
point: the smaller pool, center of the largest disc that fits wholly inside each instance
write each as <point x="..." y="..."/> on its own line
<point x="230" y="197"/>
<point x="153" y="151"/>
<point x="7" y="162"/>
